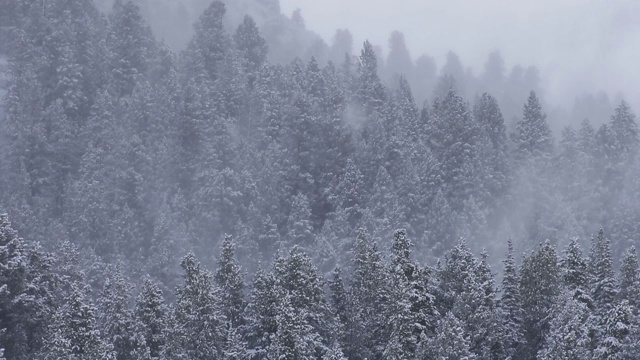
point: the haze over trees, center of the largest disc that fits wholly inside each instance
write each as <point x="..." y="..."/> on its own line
<point x="230" y="202"/>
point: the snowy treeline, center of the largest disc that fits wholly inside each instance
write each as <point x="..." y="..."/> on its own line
<point x="119" y="154"/>
<point x="552" y="306"/>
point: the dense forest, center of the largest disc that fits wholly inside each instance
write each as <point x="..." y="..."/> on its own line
<point x="345" y="204"/>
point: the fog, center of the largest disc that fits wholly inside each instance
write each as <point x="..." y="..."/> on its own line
<point x="578" y="45"/>
<point x="289" y="179"/>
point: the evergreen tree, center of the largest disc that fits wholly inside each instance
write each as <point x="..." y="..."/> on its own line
<point x="236" y="348"/>
<point x="27" y="295"/>
<point x="575" y="273"/>
<point x="511" y="307"/>
<point x="488" y="115"/>
<point x="299" y="223"/>
<point x="603" y="284"/>
<point x="116" y="320"/>
<point x="539" y="288"/>
<point x="454" y="140"/>
<point x="298" y="278"/>
<point x="151" y="315"/>
<point x="370" y="91"/>
<point x="624" y="129"/>
<point x="411" y="307"/>
<point x="252" y="47"/>
<point x="261" y="312"/>
<point x="131" y="46"/>
<point x="341" y="306"/>
<point x="449" y="342"/>
<point x="615" y="339"/>
<point x="199" y="319"/>
<point x="568" y="337"/>
<point x="533" y="136"/>
<point x="630" y="280"/>
<point x="229" y="279"/>
<point x="210" y="43"/>
<point x="294" y="338"/>
<point x="73" y="334"/>
<point x="350" y="193"/>
<point x="370" y="296"/>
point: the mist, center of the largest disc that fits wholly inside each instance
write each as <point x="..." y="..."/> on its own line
<point x="266" y="179"/>
<point x="579" y="46"/>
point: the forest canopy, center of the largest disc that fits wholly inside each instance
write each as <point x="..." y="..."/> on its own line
<point x="348" y="206"/>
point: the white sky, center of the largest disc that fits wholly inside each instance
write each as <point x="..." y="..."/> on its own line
<point x="577" y="44"/>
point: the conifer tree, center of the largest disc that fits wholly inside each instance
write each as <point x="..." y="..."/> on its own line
<point x="116" y="320"/>
<point x="299" y="223"/>
<point x="131" y="46"/>
<point x="575" y="273"/>
<point x="370" y="296"/>
<point x="449" y="343"/>
<point x="74" y="334"/>
<point x="151" y="315"/>
<point x="27" y="294"/>
<point x="261" y="314"/>
<point x="488" y="115"/>
<point x="510" y="309"/>
<point x="294" y="338"/>
<point x="298" y="277"/>
<point x="229" y="279"/>
<point x="411" y="306"/>
<point x="370" y="91"/>
<point x="630" y="279"/>
<point x="568" y="337"/>
<point x="533" y="136"/>
<point x="236" y="348"/>
<point x="350" y="193"/>
<point x="603" y="284"/>
<point x="210" y="44"/>
<point x="199" y="319"/>
<point x="624" y="129"/>
<point x="615" y="341"/>
<point x="252" y="47"/>
<point x="539" y="288"/>
<point x="458" y="162"/>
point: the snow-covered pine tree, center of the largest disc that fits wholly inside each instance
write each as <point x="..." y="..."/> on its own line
<point x="151" y="316"/>
<point x="299" y="279"/>
<point x="300" y="229"/>
<point x="411" y="306"/>
<point x="630" y="279"/>
<point x="488" y="115"/>
<point x="370" y="91"/>
<point x="603" y="282"/>
<point x="74" y="334"/>
<point x="539" y="288"/>
<point x="252" y="47"/>
<point x="27" y="294"/>
<point x="116" y="321"/>
<point x="229" y="279"/>
<point x="131" y="46"/>
<point x="575" y="273"/>
<point x="199" y="318"/>
<point x="261" y="314"/>
<point x="294" y="338"/>
<point x="510" y="307"/>
<point x="449" y="342"/>
<point x="533" y="136"/>
<point x="568" y="337"/>
<point x="370" y="294"/>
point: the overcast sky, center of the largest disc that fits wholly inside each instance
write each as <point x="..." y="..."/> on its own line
<point x="577" y="44"/>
